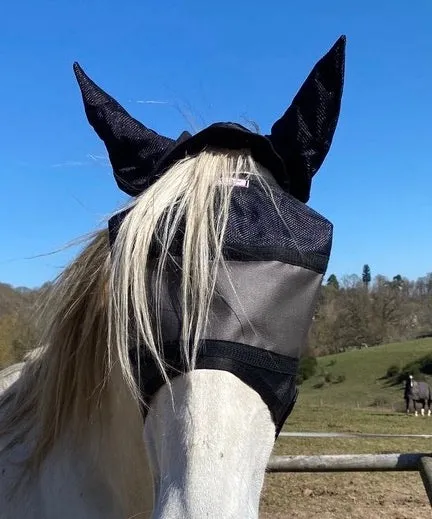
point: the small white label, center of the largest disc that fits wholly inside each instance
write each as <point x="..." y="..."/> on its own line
<point x="238" y="182"/>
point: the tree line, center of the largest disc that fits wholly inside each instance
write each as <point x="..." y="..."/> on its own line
<point x="19" y="321"/>
<point x="361" y="311"/>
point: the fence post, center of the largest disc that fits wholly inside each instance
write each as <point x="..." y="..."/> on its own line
<point x="425" y="468"/>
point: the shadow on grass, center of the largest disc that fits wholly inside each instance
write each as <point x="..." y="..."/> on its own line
<point x="382" y="412"/>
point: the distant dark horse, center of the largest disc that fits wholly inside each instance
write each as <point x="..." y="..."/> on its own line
<point x="418" y="392"/>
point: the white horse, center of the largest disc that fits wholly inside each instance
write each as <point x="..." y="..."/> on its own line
<point x="78" y="438"/>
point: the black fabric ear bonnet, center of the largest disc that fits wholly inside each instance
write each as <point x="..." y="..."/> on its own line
<point x="294" y="151"/>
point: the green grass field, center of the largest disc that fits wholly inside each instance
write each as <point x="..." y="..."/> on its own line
<point x="350" y="406"/>
<point x="364" y="371"/>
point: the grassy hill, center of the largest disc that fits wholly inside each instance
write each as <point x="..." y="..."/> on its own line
<point x="364" y="372"/>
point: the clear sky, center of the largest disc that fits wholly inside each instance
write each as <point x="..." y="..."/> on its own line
<point x="176" y="65"/>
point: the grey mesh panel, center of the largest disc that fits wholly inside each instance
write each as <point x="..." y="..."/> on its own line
<point x="270" y="306"/>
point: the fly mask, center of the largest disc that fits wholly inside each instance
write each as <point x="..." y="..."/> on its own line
<point x="276" y="247"/>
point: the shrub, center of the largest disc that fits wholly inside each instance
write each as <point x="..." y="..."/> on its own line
<point x="328" y="377"/>
<point x="417" y="368"/>
<point x="307" y="368"/>
<point x="424" y="335"/>
<point x="340" y="378"/>
<point x="392" y="371"/>
<point x="426" y="364"/>
<point x="299" y="379"/>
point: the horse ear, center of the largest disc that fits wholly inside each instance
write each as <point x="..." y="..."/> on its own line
<point x="303" y="135"/>
<point x="133" y="148"/>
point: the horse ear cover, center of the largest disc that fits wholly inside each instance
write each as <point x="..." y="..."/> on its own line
<point x="294" y="151"/>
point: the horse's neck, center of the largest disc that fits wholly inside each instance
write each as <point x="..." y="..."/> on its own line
<point x="124" y="458"/>
<point x="106" y="476"/>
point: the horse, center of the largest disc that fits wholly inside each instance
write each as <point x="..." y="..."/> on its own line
<point x="171" y="342"/>
<point x="420" y="392"/>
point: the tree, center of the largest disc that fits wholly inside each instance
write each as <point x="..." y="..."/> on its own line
<point x="351" y="328"/>
<point x="332" y="281"/>
<point x="366" y="276"/>
<point x="397" y="282"/>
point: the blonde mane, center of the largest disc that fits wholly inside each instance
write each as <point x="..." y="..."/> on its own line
<point x="87" y="317"/>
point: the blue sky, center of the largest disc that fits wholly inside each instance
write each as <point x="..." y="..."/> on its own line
<point x="199" y="62"/>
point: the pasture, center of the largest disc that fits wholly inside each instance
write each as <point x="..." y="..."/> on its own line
<point x="364" y="402"/>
